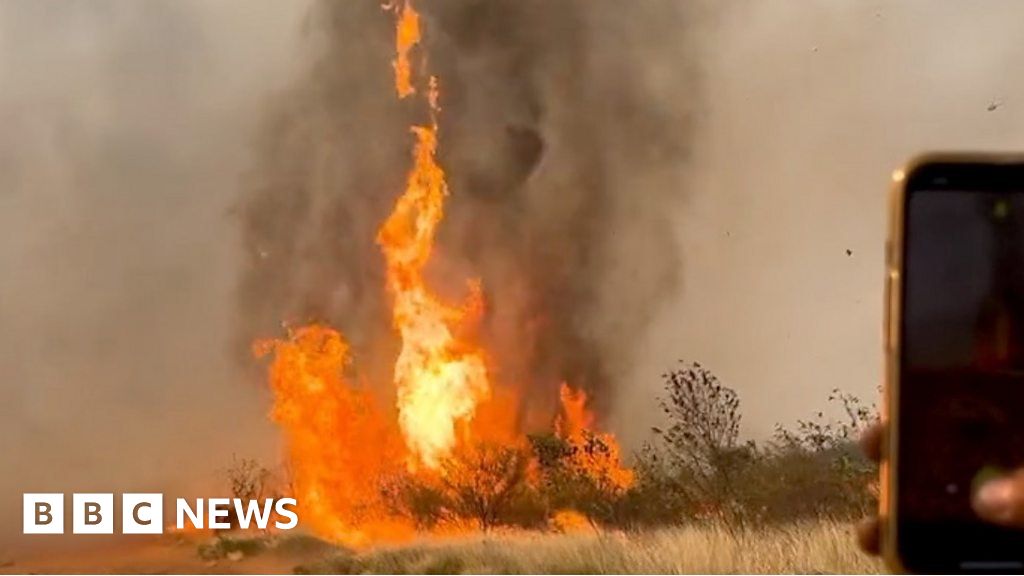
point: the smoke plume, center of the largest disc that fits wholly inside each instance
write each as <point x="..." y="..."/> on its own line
<point x="564" y="172"/>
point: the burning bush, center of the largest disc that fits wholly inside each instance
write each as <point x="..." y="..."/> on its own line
<point x="481" y="486"/>
<point x="526" y="485"/>
<point x="581" y="474"/>
<point x="356" y="483"/>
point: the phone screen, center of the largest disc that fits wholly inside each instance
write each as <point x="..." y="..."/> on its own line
<point x="961" y="392"/>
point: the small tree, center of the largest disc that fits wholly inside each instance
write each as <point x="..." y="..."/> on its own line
<point x="701" y="443"/>
<point x="483" y="480"/>
<point x="485" y="483"/>
<point x="422" y="501"/>
<point x="248" y="479"/>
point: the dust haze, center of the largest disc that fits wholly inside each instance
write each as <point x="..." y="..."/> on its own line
<point x="809" y="109"/>
<point x="672" y="180"/>
<point x="126" y="128"/>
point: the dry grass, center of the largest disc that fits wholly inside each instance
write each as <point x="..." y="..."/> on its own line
<point x="813" y="547"/>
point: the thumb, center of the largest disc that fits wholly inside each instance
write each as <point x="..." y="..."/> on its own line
<point x="1001" y="500"/>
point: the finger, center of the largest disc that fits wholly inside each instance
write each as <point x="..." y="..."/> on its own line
<point x="871" y="441"/>
<point x="868" y="535"/>
<point x="1001" y="500"/>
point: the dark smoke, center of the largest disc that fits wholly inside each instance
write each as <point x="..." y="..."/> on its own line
<point x="564" y="126"/>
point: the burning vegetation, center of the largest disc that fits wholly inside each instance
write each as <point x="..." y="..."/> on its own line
<point x="359" y="480"/>
<point x="448" y="359"/>
<point x="447" y="453"/>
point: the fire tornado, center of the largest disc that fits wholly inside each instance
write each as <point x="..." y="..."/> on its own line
<point x="448" y="426"/>
<point x="440" y="379"/>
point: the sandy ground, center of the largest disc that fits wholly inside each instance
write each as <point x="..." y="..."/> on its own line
<point x="163" y="555"/>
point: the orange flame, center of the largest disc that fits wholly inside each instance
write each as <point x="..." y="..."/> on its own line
<point x="449" y="426"/>
<point x="571" y="522"/>
<point x="595" y="454"/>
<point x="440" y="380"/>
<point x="328" y="425"/>
<point x="407" y="36"/>
<point x="575" y="417"/>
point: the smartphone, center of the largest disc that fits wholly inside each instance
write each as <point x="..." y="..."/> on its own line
<point x="954" y="343"/>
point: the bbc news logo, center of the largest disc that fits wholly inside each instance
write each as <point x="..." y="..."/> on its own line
<point x="144" y="513"/>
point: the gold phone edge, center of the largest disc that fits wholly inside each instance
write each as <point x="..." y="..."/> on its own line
<point x="891" y="337"/>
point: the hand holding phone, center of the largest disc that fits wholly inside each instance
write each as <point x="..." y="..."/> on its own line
<point x="954" y="345"/>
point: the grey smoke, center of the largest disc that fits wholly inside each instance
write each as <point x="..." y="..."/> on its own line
<point x="128" y="125"/>
<point x="564" y="131"/>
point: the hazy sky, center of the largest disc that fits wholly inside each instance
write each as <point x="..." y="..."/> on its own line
<point x="810" y="106"/>
<point x="127" y="127"/>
